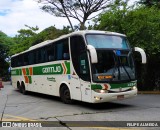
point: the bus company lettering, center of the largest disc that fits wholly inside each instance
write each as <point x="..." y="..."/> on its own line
<point x="51" y="69"/>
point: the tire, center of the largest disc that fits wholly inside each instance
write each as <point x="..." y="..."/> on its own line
<point x="65" y="95"/>
<point x="18" y="85"/>
<point x="23" y="90"/>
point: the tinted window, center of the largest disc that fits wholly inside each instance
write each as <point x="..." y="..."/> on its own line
<point x="50" y="53"/>
<point x="54" y="51"/>
<point x="32" y="57"/>
<point x="25" y="59"/>
<point x="62" y="50"/>
<point x="40" y="55"/>
<point x="79" y="57"/>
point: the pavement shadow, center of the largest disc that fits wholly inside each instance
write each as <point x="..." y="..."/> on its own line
<point x="103" y="106"/>
<point x="43" y="96"/>
<point x="97" y="106"/>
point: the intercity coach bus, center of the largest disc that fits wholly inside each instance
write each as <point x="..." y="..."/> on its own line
<point x="90" y="66"/>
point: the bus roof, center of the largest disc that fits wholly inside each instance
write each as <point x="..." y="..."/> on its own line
<point x="84" y="32"/>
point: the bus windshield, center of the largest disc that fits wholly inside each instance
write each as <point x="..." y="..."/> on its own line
<point x="113" y="68"/>
<point x="115" y="62"/>
<point x="107" y="41"/>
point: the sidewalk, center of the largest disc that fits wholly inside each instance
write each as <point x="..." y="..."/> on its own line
<point x="6" y="83"/>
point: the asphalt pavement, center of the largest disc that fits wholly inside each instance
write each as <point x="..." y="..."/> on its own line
<point x="38" y="107"/>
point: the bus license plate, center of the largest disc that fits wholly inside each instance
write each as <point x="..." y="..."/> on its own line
<point x="120" y="97"/>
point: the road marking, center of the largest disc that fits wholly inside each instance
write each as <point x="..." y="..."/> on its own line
<point x="16" y="118"/>
<point x="19" y="118"/>
<point x="113" y="128"/>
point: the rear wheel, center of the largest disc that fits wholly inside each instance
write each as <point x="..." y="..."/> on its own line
<point x="65" y="95"/>
<point x="18" y="85"/>
<point x="23" y="89"/>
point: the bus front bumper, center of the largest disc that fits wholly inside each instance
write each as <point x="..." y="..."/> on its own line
<point x="106" y="97"/>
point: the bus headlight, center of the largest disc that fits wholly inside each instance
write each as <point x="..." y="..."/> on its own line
<point x="134" y="88"/>
<point x="101" y="91"/>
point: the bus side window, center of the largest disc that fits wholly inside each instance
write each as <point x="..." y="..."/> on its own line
<point x="62" y="50"/>
<point x="40" y="55"/>
<point x="25" y="59"/>
<point x="13" y="62"/>
<point x="31" y="58"/>
<point x="66" y="50"/>
<point x="20" y="60"/>
<point x="50" y="53"/>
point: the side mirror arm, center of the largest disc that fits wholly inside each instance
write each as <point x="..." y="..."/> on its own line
<point x="93" y="54"/>
<point x="143" y="54"/>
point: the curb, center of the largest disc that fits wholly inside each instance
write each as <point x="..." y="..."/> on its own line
<point x="148" y="92"/>
<point x="6" y="83"/>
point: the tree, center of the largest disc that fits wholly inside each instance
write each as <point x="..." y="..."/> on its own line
<point x="28" y="37"/>
<point x="23" y="40"/>
<point x="150" y="3"/>
<point x="49" y="33"/>
<point x="80" y="10"/>
<point x="3" y="64"/>
<point x="142" y="27"/>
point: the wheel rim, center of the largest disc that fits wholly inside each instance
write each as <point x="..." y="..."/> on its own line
<point x="66" y="94"/>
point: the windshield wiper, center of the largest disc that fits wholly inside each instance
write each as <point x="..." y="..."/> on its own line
<point x="119" y="63"/>
<point x="126" y="72"/>
<point x="116" y="66"/>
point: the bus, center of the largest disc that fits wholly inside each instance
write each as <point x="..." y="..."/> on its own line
<point x="89" y="66"/>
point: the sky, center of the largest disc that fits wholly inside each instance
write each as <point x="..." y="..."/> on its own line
<point x="15" y="14"/>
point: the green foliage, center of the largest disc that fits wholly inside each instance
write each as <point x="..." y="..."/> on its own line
<point x="5" y="40"/>
<point x="28" y="37"/>
<point x="49" y="33"/>
<point x="142" y="27"/>
<point x="23" y="40"/>
<point x="3" y="64"/>
<point x="150" y="3"/>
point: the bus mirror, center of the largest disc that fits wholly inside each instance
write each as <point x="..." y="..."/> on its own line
<point x="143" y="54"/>
<point x="93" y="54"/>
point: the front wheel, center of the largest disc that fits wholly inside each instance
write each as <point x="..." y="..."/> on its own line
<point x="65" y="95"/>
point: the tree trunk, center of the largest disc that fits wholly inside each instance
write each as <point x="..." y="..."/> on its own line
<point x="62" y="3"/>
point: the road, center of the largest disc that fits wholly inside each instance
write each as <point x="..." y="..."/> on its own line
<point x="38" y="107"/>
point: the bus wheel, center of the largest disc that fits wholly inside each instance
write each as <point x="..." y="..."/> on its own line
<point x="18" y="85"/>
<point x="65" y="95"/>
<point x="23" y="90"/>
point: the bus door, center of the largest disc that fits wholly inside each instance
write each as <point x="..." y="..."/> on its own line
<point x="80" y="73"/>
<point x="85" y="77"/>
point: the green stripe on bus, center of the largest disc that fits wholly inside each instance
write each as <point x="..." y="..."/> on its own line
<point x="48" y="69"/>
<point x="16" y="72"/>
<point x="96" y="86"/>
<point x="68" y="67"/>
<point x="123" y="85"/>
<point x="44" y="70"/>
<point x="27" y="71"/>
<point x="30" y="79"/>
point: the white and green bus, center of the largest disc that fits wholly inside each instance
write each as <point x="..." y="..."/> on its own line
<point x="90" y="66"/>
